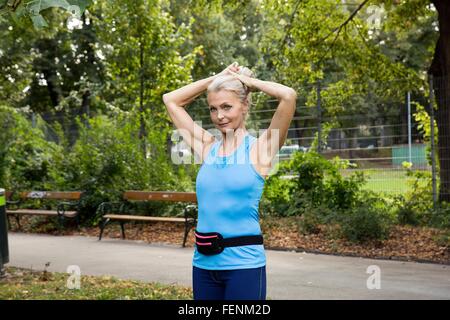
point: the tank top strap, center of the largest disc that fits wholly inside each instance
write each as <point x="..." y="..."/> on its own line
<point x="250" y="140"/>
<point x="212" y="152"/>
<point x="242" y="152"/>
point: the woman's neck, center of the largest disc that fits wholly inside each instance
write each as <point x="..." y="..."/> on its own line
<point x="231" y="138"/>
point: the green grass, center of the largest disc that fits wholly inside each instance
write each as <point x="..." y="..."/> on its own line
<point x="385" y="180"/>
<point x="24" y="284"/>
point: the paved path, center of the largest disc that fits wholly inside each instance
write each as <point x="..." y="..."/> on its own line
<point x="290" y="275"/>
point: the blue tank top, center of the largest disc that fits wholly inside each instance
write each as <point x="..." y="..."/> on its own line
<point x="228" y="193"/>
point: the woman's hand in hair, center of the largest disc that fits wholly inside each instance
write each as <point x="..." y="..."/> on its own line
<point x="247" y="81"/>
<point x="234" y="67"/>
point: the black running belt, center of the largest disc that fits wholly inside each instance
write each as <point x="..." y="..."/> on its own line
<point x="242" y="241"/>
<point x="213" y="242"/>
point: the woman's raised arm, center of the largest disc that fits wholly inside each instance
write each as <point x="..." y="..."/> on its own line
<point x="176" y="101"/>
<point x="270" y="142"/>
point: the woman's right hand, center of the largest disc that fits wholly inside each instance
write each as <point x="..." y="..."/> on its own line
<point x="234" y="67"/>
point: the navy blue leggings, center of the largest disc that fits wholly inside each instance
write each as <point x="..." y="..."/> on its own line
<point x="242" y="284"/>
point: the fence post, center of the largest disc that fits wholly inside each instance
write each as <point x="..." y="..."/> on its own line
<point x="433" y="150"/>
<point x="408" y="98"/>
<point x="33" y="120"/>
<point x="319" y="119"/>
<point x="4" y="251"/>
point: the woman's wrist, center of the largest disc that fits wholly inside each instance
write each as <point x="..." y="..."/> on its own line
<point x="275" y="90"/>
<point x="209" y="80"/>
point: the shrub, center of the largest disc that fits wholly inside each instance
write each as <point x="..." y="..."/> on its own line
<point x="25" y="155"/>
<point x="317" y="183"/>
<point x="370" y="220"/>
<point x="308" y="222"/>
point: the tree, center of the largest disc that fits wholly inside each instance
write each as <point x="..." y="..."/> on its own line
<point x="334" y="44"/>
<point x="141" y="48"/>
<point x="440" y="70"/>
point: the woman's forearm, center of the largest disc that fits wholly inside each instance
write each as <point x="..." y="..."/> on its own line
<point x="276" y="90"/>
<point x="188" y="93"/>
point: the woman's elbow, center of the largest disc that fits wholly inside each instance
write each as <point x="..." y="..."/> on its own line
<point x="289" y="95"/>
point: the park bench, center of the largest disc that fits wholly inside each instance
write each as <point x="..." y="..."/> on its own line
<point x="65" y="200"/>
<point x="109" y="212"/>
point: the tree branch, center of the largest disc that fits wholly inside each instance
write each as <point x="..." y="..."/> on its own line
<point x="339" y="29"/>
<point x="289" y="25"/>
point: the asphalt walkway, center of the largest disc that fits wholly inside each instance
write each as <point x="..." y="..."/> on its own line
<point x="290" y="275"/>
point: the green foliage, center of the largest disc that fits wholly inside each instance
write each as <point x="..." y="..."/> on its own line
<point x="424" y="126"/>
<point x="415" y="207"/>
<point x="317" y="183"/>
<point x="126" y="54"/>
<point x="369" y="220"/>
<point x="311" y="219"/>
<point x="319" y="194"/>
<point x="25" y="154"/>
<point x="107" y="159"/>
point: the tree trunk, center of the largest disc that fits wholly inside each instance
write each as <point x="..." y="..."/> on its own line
<point x="440" y="69"/>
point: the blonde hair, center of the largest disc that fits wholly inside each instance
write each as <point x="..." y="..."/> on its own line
<point x="230" y="83"/>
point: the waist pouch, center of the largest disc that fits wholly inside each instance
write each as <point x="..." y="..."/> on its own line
<point x="213" y="242"/>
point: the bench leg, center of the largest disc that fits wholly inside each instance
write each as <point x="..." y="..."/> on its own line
<point x="102" y="227"/>
<point x="187" y="228"/>
<point x="123" y="229"/>
<point x="61" y="222"/>
<point x="18" y="222"/>
<point x="9" y="221"/>
<point x="77" y="221"/>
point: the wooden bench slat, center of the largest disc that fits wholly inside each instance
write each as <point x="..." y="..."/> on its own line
<point x="142" y="218"/>
<point x="161" y="196"/>
<point x="38" y="212"/>
<point x="56" y="195"/>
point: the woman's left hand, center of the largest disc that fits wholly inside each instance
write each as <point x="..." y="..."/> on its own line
<point x="246" y="80"/>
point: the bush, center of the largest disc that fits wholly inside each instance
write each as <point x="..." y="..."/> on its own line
<point x="440" y="217"/>
<point x="25" y="155"/>
<point x="308" y="223"/>
<point x="416" y="207"/>
<point x="368" y="221"/>
<point x="317" y="183"/>
<point x="406" y="215"/>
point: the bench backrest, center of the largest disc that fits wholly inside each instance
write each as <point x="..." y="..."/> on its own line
<point x="56" y="195"/>
<point x="160" y="196"/>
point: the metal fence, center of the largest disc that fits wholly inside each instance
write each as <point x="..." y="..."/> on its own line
<point x="383" y="145"/>
<point x="380" y="143"/>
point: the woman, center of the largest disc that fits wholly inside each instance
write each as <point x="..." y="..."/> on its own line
<point x="229" y="260"/>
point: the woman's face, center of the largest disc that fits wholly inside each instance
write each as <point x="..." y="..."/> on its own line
<point x="226" y="110"/>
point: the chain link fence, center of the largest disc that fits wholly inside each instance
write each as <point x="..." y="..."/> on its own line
<point x="383" y="139"/>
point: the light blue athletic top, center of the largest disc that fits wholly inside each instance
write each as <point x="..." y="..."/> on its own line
<point x="228" y="192"/>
